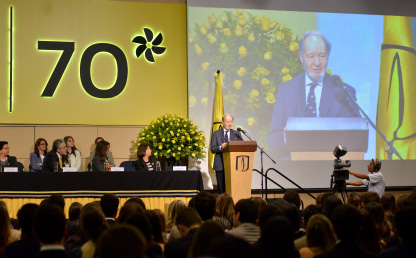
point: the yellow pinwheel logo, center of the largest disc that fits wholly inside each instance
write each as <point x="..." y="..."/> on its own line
<point x="148" y="45"/>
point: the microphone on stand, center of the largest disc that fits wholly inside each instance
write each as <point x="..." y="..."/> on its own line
<point x="239" y="135"/>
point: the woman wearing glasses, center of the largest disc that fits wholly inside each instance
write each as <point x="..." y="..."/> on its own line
<point x="38" y="156"/>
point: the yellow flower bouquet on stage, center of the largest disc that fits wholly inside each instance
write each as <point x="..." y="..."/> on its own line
<point x="173" y="137"/>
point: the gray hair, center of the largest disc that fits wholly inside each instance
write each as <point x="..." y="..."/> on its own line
<point x="225" y="115"/>
<point x="313" y="33"/>
<point x="57" y="144"/>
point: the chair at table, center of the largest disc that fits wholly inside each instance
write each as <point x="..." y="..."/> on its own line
<point x="20" y="166"/>
<point x="128" y="166"/>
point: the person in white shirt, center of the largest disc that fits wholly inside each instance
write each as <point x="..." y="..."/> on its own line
<point x="74" y="159"/>
<point x="374" y="181"/>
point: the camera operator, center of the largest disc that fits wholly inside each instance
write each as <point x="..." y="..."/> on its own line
<point x="374" y="181"/>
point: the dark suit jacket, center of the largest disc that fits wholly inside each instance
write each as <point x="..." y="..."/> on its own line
<point x="52" y="254"/>
<point x="216" y="141"/>
<point x="49" y="162"/>
<point x="11" y="162"/>
<point x="346" y="250"/>
<point x="291" y="102"/>
<point x="179" y="248"/>
<point x="140" y="164"/>
<point x="28" y="247"/>
<point x="97" y="165"/>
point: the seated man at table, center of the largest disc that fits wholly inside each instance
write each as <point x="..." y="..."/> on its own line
<point x="53" y="161"/>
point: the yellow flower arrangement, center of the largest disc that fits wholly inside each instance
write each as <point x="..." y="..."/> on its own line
<point x="178" y="145"/>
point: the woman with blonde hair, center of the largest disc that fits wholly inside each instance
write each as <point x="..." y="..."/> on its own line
<point x="174" y="209"/>
<point x="319" y="236"/>
<point x="224" y="210"/>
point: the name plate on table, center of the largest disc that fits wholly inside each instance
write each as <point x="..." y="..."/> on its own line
<point x="66" y="169"/>
<point x="179" y="168"/>
<point x="10" y="169"/>
<point x="117" y="169"/>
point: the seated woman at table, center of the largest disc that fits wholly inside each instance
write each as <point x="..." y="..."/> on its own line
<point x="5" y="159"/>
<point x="100" y="161"/>
<point x="38" y="155"/>
<point x="144" y="162"/>
<point x="74" y="159"/>
<point x="110" y="155"/>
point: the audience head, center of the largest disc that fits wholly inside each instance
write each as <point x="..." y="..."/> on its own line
<point x="324" y="196"/>
<point x="174" y="208"/>
<point x="109" y="204"/>
<point x="4" y="227"/>
<point x="157" y="228"/>
<point x="369" y="197"/>
<point x="225" y="206"/>
<point x="346" y="220"/>
<point x="291" y="196"/>
<point x="142" y="150"/>
<point x="40" y="145"/>
<point x="308" y="212"/>
<point x="291" y="213"/>
<point x="121" y="241"/>
<point x="206" y="234"/>
<point x="57" y="199"/>
<point x="330" y="204"/>
<point x="74" y="211"/>
<point x="259" y="201"/>
<point x="59" y="147"/>
<point x="92" y="221"/>
<point x="319" y="199"/>
<point x="187" y="219"/>
<point x="405" y="223"/>
<point x="401" y="200"/>
<point x="49" y="224"/>
<point x="102" y="149"/>
<point x="204" y="203"/>
<point x="246" y="211"/>
<point x="138" y="201"/>
<point x="388" y="202"/>
<point x="25" y="218"/>
<point x="319" y="232"/>
<point x="129" y="209"/>
<point x="267" y="212"/>
<point x="141" y="222"/>
<point x="354" y="199"/>
<point x="277" y="238"/>
<point x="230" y="247"/>
<point x="369" y="238"/>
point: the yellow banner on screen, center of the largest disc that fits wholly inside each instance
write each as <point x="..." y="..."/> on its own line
<point x="91" y="62"/>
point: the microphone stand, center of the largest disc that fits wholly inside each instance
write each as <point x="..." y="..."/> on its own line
<point x="391" y="149"/>
<point x="261" y="158"/>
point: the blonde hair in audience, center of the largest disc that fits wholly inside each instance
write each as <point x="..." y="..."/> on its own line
<point x="319" y="233"/>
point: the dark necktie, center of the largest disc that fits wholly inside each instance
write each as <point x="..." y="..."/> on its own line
<point x="226" y="136"/>
<point x="311" y="102"/>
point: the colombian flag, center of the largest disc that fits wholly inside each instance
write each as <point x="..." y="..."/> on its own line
<point x="396" y="108"/>
<point x="217" y="114"/>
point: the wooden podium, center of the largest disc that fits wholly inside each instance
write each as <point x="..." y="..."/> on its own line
<point x="238" y="157"/>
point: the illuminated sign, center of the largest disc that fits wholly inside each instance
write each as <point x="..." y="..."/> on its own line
<point x="94" y="56"/>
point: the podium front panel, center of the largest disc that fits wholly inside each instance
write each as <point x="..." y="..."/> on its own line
<point x="238" y="169"/>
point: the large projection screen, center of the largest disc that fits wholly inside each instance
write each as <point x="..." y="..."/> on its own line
<point x="256" y="47"/>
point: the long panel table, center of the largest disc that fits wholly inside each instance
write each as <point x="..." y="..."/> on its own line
<point x="155" y="188"/>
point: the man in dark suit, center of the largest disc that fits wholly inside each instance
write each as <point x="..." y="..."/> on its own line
<point x="312" y="94"/>
<point x="219" y="139"/>
<point x="54" y="157"/>
<point x="50" y="229"/>
<point x="109" y="204"/>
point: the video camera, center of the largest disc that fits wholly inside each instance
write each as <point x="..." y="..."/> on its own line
<point x="339" y="173"/>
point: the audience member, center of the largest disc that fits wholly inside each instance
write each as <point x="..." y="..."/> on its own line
<point x="308" y="212"/>
<point x="330" y="204"/>
<point x="58" y="200"/>
<point x="74" y="213"/>
<point x="230" y="247"/>
<point x="405" y="230"/>
<point x="93" y="223"/>
<point x="174" y="208"/>
<point x="110" y="155"/>
<point x="291" y="196"/>
<point x="346" y="220"/>
<point x="368" y="197"/>
<point x="224" y="210"/>
<point x="400" y="202"/>
<point x="368" y="238"/>
<point x="73" y="157"/>
<point x="100" y="161"/>
<point x="27" y="246"/>
<point x="54" y="159"/>
<point x="324" y="196"/>
<point x="259" y="201"/>
<point x="267" y="212"/>
<point x="129" y="209"/>
<point x="162" y="220"/>
<point x="157" y="228"/>
<point x="49" y="228"/>
<point x="121" y="241"/>
<point x="188" y="222"/>
<point x="38" y="155"/>
<point x="388" y="202"/>
<point x="245" y="216"/>
<point x="138" y="201"/>
<point x="204" y="204"/>
<point x="144" y="162"/>
<point x="383" y="226"/>
<point x="5" y="159"/>
<point x="354" y="199"/>
<point x="319" y="236"/>
<point x="109" y="204"/>
<point x="319" y="199"/>
<point x="292" y="214"/>
<point x="204" y="236"/>
<point x="277" y="239"/>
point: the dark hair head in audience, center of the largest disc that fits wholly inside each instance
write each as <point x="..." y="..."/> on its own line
<point x="368" y="238"/>
<point x="188" y="217"/>
<point x="129" y="209"/>
<point x="101" y="149"/>
<point x="141" y="222"/>
<point x="291" y="196"/>
<point x="330" y="204"/>
<point x="40" y="142"/>
<point x="121" y="241"/>
<point x="204" y="204"/>
<point x="277" y="238"/>
<point x="346" y="220"/>
<point x="369" y="197"/>
<point x="49" y="224"/>
<point x="156" y="223"/>
<point x="230" y="247"/>
<point x="267" y="212"/>
<point x="388" y="202"/>
<point x="246" y="211"/>
<point x="92" y="221"/>
<point x="354" y="199"/>
<point x="4" y="227"/>
<point x="74" y="211"/>
<point x="308" y="212"/>
<point x="138" y="201"/>
<point x="324" y="196"/>
<point x="25" y="218"/>
<point x="291" y="213"/>
<point x="57" y="199"/>
<point x="109" y="204"/>
<point x="406" y="223"/>
<point x="206" y="234"/>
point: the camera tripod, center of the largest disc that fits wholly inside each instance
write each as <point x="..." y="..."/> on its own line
<point x="338" y="186"/>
